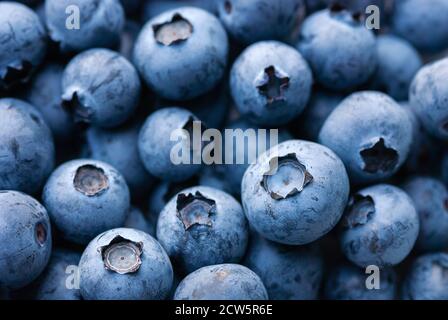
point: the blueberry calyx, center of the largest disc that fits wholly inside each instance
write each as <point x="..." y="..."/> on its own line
<point x="195" y="209"/>
<point x="379" y="158"/>
<point x="16" y="74"/>
<point x="272" y="83"/>
<point x="337" y="7"/>
<point x="122" y="255"/>
<point x="75" y="103"/>
<point x="177" y="30"/>
<point x="286" y="177"/>
<point x="90" y="180"/>
<point x="360" y="210"/>
<point x="41" y="233"/>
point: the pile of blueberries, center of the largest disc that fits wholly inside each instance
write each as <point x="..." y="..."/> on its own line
<point x="93" y="207"/>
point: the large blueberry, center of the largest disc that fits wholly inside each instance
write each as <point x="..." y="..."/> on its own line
<point x="100" y="23"/>
<point x="165" y="154"/>
<point x="23" y="43"/>
<point x="340" y="49"/>
<point x="119" y="148"/>
<point x="182" y="53"/>
<point x="371" y="133"/>
<point x="347" y="282"/>
<point x="85" y="197"/>
<point x="379" y="227"/>
<point x="429" y="97"/>
<point x="251" y="21"/>
<point x="295" y="193"/>
<point x="125" y="264"/>
<point x="45" y="94"/>
<point x="202" y="226"/>
<point x="288" y="272"/>
<point x="427" y="279"/>
<point x="101" y="87"/>
<point x="221" y="282"/>
<point x="270" y="83"/>
<point x="422" y="22"/>
<point x="398" y="62"/>
<point x="26" y="239"/>
<point x="26" y="147"/>
<point x="430" y="197"/>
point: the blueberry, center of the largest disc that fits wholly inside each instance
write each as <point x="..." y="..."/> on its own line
<point x="128" y="37"/>
<point x="430" y="197"/>
<point x="398" y="62"/>
<point x="221" y="282"/>
<point x="429" y="97"/>
<point x="100" y="23"/>
<point x="86" y="197"/>
<point x="125" y="264"/>
<point x="156" y="147"/>
<point x="379" y="227"/>
<point x="101" y="87"/>
<point x="109" y="145"/>
<point x="45" y="93"/>
<point x="252" y="21"/>
<point x="182" y="54"/>
<point x="155" y="7"/>
<point x="422" y="22"/>
<point x="26" y="147"/>
<point x="288" y="272"/>
<point x="347" y="282"/>
<point x="270" y="83"/>
<point x="202" y="226"/>
<point x="136" y="220"/>
<point x="53" y="283"/>
<point x="23" y="43"/>
<point x="26" y="238"/>
<point x="295" y="193"/>
<point x="340" y="49"/>
<point x="427" y="278"/>
<point x="371" y="133"/>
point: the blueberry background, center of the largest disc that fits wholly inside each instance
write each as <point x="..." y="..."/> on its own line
<point x="85" y="171"/>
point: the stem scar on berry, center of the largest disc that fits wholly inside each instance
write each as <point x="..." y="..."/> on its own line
<point x="359" y="211"/>
<point x="272" y="83"/>
<point x="90" y="180"/>
<point x="122" y="255"/>
<point x="195" y="209"/>
<point x="177" y="30"/>
<point x="286" y="177"/>
<point x="379" y="158"/>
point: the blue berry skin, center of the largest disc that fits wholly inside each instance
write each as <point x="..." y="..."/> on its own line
<point x="195" y="40"/>
<point x="101" y="87"/>
<point x="427" y="279"/>
<point x="101" y="22"/>
<point x="233" y="173"/>
<point x="128" y="37"/>
<point x="153" y="8"/>
<point x="371" y="133"/>
<point x="221" y="282"/>
<point x="125" y="264"/>
<point x="136" y="220"/>
<point x="380" y="226"/>
<point x="347" y="282"/>
<point x="430" y="198"/>
<point x="23" y="43"/>
<point x="109" y="145"/>
<point x="202" y="226"/>
<point x="45" y="94"/>
<point x="85" y="197"/>
<point x="320" y="106"/>
<point x="26" y="230"/>
<point x="340" y="49"/>
<point x="251" y="21"/>
<point x="422" y="22"/>
<point x="429" y="97"/>
<point x="288" y="272"/>
<point x="26" y="147"/>
<point x="155" y="145"/>
<point x="398" y="62"/>
<point x="302" y="200"/>
<point x="52" y="283"/>
<point x="270" y="83"/>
